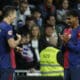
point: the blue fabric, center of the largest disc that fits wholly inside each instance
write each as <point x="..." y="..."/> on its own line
<point x="6" y="73"/>
<point x="67" y="74"/>
<point x="74" y="48"/>
<point x="73" y="45"/>
<point x="5" y="34"/>
<point x="72" y="73"/>
<point x="75" y="73"/>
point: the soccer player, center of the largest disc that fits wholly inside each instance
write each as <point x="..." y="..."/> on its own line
<point x="7" y="42"/>
<point x="72" y="43"/>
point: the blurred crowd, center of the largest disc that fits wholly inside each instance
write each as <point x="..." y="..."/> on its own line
<point x="39" y="22"/>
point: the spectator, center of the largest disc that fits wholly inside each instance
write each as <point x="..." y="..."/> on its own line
<point x="47" y="8"/>
<point x="22" y="12"/>
<point x="28" y="24"/>
<point x="47" y="39"/>
<point x="52" y="21"/>
<point x="37" y="17"/>
<point x="61" y="13"/>
<point x="35" y="35"/>
<point x="25" y="60"/>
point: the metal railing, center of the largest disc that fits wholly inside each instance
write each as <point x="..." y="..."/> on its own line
<point x="25" y="73"/>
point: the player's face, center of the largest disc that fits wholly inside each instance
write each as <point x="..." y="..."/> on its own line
<point x="70" y="20"/>
<point x="12" y="16"/>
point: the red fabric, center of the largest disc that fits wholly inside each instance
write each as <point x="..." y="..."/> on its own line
<point x="67" y="31"/>
<point x="12" y="56"/>
<point x="66" y="62"/>
<point x="10" y="77"/>
<point x="66" y="53"/>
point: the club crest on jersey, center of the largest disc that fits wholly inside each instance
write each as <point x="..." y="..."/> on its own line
<point x="10" y="32"/>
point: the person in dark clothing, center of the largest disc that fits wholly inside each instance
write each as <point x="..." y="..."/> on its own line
<point x="26" y="28"/>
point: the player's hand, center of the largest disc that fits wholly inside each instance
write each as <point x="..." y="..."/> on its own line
<point x="65" y="38"/>
<point x="18" y="36"/>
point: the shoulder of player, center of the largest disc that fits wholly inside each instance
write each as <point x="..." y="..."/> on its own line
<point x="5" y="26"/>
<point x="78" y="28"/>
<point x="7" y="29"/>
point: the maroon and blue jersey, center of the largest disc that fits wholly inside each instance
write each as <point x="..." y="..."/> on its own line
<point x="5" y="34"/>
<point x="73" y="46"/>
<point x="72" y="57"/>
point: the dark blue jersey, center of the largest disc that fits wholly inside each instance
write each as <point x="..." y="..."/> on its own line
<point x="5" y="34"/>
<point x="74" y="48"/>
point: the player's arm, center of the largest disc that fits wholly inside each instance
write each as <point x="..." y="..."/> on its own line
<point x="13" y="43"/>
<point x="74" y="47"/>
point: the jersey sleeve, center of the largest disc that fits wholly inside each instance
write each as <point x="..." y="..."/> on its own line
<point x="74" y="47"/>
<point x="9" y="33"/>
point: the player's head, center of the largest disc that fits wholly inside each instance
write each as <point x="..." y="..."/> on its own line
<point x="72" y="18"/>
<point x="9" y="12"/>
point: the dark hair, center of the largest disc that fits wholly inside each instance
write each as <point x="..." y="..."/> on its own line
<point x="28" y="18"/>
<point x="7" y="9"/>
<point x="48" y="25"/>
<point x="48" y="17"/>
<point x="72" y="13"/>
<point x="23" y="2"/>
<point x="25" y="34"/>
<point x="36" y="10"/>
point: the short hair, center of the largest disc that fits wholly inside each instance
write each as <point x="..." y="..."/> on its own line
<point x="72" y="13"/>
<point x="48" y="25"/>
<point x="48" y="17"/>
<point x="23" y="2"/>
<point x="7" y="9"/>
<point x="29" y="18"/>
<point x="36" y="10"/>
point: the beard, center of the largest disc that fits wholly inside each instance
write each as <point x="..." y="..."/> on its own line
<point x="68" y="25"/>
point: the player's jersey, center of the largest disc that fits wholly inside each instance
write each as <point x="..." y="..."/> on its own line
<point x="5" y="34"/>
<point x="74" y="48"/>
